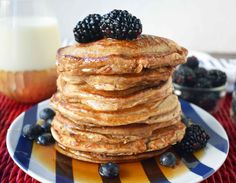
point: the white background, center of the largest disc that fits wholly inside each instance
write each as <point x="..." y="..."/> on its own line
<point x="207" y="25"/>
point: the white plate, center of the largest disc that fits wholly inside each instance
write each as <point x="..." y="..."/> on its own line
<point x="46" y="165"/>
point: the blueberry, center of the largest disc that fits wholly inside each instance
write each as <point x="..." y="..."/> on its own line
<point x="46" y="113"/>
<point x="109" y="170"/>
<point x="46" y="126"/>
<point x="32" y="131"/>
<point x="45" y="139"/>
<point x="168" y="159"/>
<point x="49" y="121"/>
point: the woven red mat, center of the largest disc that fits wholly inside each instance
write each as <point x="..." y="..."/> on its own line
<point x="9" y="172"/>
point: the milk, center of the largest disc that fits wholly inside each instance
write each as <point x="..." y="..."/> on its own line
<point x="28" y="43"/>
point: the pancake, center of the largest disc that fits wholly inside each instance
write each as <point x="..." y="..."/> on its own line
<point x="160" y="139"/>
<point x="122" y="134"/>
<point x="110" y="56"/>
<point x="141" y="130"/>
<point x="103" y="157"/>
<point x="84" y="89"/>
<point x="120" y="82"/>
<point x="99" y="100"/>
<point x="164" y="110"/>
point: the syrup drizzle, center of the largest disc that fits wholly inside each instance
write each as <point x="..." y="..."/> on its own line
<point x="75" y="170"/>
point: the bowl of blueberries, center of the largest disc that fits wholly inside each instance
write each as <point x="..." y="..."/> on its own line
<point x="205" y="88"/>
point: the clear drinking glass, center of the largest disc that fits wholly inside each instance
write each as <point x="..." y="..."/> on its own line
<point x="29" y="37"/>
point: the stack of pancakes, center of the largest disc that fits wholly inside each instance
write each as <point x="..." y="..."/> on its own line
<point x="114" y="100"/>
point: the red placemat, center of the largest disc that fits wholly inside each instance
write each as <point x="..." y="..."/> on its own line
<point x="9" y="172"/>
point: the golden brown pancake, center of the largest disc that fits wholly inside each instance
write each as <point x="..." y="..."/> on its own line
<point x="123" y="133"/>
<point x="103" y="157"/>
<point x="110" y="56"/>
<point x="140" y="130"/>
<point x="160" y="111"/>
<point x="120" y="82"/>
<point x="160" y="139"/>
<point x="111" y="100"/>
<point x="72" y="90"/>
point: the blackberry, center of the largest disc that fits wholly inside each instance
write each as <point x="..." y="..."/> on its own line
<point x="194" y="139"/>
<point x="184" y="76"/>
<point x="201" y="72"/>
<point x="203" y="83"/>
<point x="178" y="77"/>
<point x="217" y="77"/>
<point x="192" y="62"/>
<point x="88" y="29"/>
<point x="120" y="24"/>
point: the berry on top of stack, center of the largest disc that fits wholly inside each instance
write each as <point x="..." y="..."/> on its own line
<point x="117" y="24"/>
<point x="120" y="24"/>
<point x="88" y="29"/>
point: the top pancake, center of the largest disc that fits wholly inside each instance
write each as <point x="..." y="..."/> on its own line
<point x="110" y="56"/>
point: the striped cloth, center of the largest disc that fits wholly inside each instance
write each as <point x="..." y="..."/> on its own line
<point x="226" y="65"/>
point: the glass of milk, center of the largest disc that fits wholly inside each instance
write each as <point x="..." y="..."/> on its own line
<point x="29" y="37"/>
